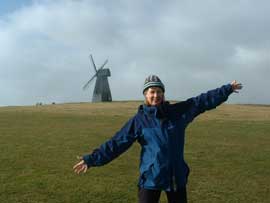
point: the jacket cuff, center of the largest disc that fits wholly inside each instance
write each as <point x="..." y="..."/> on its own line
<point x="88" y="160"/>
<point x="229" y="88"/>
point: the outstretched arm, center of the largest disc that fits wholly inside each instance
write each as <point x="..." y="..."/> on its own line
<point x="210" y="99"/>
<point x="111" y="149"/>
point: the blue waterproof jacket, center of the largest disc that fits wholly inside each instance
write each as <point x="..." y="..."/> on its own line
<point x="161" y="133"/>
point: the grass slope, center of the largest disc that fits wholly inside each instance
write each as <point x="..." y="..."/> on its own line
<point x="227" y="150"/>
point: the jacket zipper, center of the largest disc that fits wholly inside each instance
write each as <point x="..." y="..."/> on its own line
<point x="173" y="170"/>
<point x="172" y="159"/>
<point x="171" y="151"/>
<point x="171" y="141"/>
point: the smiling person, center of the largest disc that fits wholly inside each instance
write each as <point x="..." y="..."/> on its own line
<point x="159" y="127"/>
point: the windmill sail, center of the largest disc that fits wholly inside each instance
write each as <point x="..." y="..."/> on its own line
<point x="87" y="84"/>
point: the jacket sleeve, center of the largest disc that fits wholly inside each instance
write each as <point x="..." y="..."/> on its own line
<point x="111" y="149"/>
<point x="207" y="101"/>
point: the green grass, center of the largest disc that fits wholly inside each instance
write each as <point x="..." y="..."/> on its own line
<point x="227" y="149"/>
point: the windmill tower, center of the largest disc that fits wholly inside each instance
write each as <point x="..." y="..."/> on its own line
<point x="102" y="92"/>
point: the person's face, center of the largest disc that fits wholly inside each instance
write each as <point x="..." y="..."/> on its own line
<point x="154" y="96"/>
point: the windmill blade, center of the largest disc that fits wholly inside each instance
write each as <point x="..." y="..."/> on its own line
<point x="87" y="84"/>
<point x="93" y="62"/>
<point x="103" y="64"/>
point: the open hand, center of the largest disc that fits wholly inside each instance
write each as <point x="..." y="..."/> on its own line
<point x="236" y="86"/>
<point x="80" y="166"/>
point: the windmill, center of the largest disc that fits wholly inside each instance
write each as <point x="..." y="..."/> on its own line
<point x="102" y="92"/>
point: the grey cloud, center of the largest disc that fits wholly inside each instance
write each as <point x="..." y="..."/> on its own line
<point x="192" y="46"/>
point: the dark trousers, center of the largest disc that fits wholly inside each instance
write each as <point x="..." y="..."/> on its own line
<point x="152" y="196"/>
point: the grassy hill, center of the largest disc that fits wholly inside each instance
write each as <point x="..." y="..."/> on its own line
<point x="227" y="149"/>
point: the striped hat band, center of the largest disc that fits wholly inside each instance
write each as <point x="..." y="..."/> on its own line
<point x="153" y="81"/>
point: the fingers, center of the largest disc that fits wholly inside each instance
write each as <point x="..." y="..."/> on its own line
<point x="85" y="169"/>
<point x="78" y="164"/>
<point x="240" y="86"/>
<point x="80" y="167"/>
<point x="236" y="86"/>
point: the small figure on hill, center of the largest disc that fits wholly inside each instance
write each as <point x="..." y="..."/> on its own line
<point x="39" y="104"/>
<point x="159" y="127"/>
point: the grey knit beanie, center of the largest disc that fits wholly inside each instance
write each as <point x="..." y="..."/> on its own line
<point x="153" y="81"/>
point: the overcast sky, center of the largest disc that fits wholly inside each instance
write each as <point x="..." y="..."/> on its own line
<point x="193" y="46"/>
